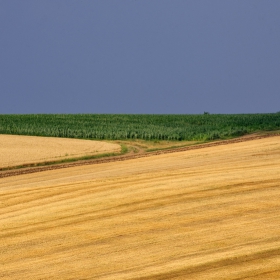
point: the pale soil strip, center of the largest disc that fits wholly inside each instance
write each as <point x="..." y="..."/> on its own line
<point x="133" y="156"/>
<point x="17" y="149"/>
<point x="201" y="214"/>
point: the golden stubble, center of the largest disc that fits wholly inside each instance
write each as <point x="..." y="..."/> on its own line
<point x="203" y="214"/>
<point x="19" y="150"/>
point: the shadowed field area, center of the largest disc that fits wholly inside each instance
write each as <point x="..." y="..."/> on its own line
<point x="200" y="214"/>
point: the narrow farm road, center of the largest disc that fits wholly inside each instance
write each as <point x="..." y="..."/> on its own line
<point x="140" y="152"/>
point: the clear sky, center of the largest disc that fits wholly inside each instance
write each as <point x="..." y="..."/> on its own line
<point x="139" y="56"/>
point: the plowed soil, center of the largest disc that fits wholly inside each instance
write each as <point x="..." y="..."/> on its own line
<point x="210" y="213"/>
<point x="21" y="150"/>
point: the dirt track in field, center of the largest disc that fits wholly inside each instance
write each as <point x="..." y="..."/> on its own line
<point x="141" y="153"/>
<point x="210" y="213"/>
<point x="19" y="150"/>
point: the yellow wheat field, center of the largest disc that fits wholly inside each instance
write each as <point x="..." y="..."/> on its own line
<point x="208" y="214"/>
<point x="16" y="149"/>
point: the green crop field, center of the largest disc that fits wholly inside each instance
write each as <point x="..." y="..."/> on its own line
<point x="147" y="127"/>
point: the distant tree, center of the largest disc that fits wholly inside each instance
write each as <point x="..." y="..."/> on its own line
<point x="206" y="113"/>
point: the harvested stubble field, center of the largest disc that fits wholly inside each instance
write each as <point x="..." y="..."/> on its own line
<point x="211" y="213"/>
<point x="23" y="150"/>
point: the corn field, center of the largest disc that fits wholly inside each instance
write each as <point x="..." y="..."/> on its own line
<point x="147" y="127"/>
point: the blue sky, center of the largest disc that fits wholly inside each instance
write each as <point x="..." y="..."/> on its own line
<point x="139" y="56"/>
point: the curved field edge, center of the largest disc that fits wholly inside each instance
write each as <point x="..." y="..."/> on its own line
<point x="21" y="150"/>
<point x="104" y="158"/>
<point x="65" y="160"/>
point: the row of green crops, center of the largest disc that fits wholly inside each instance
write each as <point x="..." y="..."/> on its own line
<point x="148" y="127"/>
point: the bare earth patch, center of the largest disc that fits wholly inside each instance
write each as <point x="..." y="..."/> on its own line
<point x="17" y="150"/>
<point x="208" y="214"/>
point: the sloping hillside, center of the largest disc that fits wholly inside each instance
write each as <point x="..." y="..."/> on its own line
<point x="200" y="214"/>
